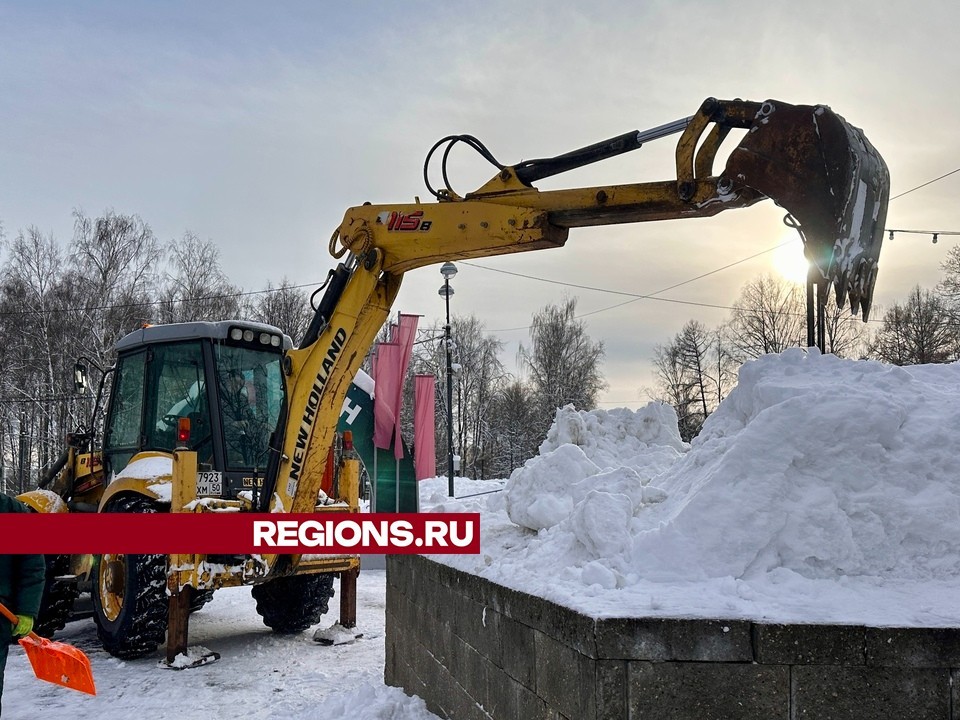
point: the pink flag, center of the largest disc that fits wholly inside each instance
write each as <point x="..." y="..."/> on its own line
<point x="405" y="334"/>
<point x="425" y="441"/>
<point x="388" y="380"/>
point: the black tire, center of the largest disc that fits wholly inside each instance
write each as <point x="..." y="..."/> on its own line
<point x="59" y="593"/>
<point x="292" y="604"/>
<point x="130" y="604"/>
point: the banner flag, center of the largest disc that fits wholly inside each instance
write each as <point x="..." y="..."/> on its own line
<point x="424" y="426"/>
<point x="389" y="382"/>
<point x="406" y="333"/>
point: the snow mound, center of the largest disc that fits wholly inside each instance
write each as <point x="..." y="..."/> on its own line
<point x="825" y="467"/>
<point x="617" y="452"/>
<point x="820" y="490"/>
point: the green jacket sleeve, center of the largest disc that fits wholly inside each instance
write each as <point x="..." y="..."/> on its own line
<point x="27" y="572"/>
<point x="32" y="573"/>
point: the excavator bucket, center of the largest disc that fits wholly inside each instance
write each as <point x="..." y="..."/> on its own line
<point x="828" y="176"/>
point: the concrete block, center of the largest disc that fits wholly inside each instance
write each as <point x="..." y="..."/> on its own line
<point x="468" y="669"/>
<point x="566" y="625"/>
<point x="565" y="678"/>
<point x="667" y="640"/>
<point x="869" y="693"/>
<point x="809" y="644"/>
<point x="517" y="653"/>
<point x="479" y="625"/>
<point x="399" y="572"/>
<point x="697" y="691"/>
<point x="501" y="700"/>
<point x="611" y="689"/>
<point x="955" y="694"/>
<point x="913" y="647"/>
<point x="532" y="706"/>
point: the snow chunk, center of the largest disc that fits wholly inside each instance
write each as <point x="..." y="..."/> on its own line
<point x="538" y="494"/>
<point x="148" y="468"/>
<point x="601" y="522"/>
<point x="617" y="451"/>
<point x="363" y="381"/>
<point x="56" y="503"/>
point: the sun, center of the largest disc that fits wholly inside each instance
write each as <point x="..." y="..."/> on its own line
<point x="788" y="260"/>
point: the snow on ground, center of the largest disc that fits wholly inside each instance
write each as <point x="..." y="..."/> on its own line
<point x="259" y="676"/>
<point x="821" y="490"/>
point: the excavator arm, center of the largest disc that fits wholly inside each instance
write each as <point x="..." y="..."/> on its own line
<point x="807" y="159"/>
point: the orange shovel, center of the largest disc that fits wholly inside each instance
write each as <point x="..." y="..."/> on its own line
<point x="56" y="662"/>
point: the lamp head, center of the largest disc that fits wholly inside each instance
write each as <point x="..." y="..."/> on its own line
<point x="448" y="270"/>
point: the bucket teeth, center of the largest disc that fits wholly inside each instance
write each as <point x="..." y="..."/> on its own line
<point x="826" y="173"/>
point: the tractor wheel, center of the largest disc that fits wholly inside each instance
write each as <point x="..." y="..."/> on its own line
<point x="130" y="603"/>
<point x="59" y="592"/>
<point x="292" y="604"/>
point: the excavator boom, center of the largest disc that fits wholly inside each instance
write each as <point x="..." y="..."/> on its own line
<point x="807" y="159"/>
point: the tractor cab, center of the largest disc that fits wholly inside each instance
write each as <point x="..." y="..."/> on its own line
<point x="214" y="387"/>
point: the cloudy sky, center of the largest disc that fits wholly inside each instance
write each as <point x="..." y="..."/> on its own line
<point x="256" y="125"/>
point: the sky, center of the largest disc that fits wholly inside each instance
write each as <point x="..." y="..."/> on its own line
<point x="257" y="126"/>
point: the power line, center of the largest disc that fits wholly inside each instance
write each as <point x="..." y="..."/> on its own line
<point x="153" y="303"/>
<point x="634" y="296"/>
<point x="929" y="182"/>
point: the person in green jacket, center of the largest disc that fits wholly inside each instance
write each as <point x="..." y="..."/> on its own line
<point x="22" y="578"/>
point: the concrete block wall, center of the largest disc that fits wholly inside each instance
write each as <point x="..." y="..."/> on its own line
<point x="473" y="649"/>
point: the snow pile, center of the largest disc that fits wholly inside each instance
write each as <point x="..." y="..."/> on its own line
<point x="586" y="453"/>
<point x="824" y="467"/>
<point x="821" y="490"/>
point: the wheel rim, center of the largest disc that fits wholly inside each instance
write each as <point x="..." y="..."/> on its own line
<point x="111" y="581"/>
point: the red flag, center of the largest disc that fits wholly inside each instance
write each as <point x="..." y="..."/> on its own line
<point x="424" y="436"/>
<point x="406" y="333"/>
<point x="387" y="383"/>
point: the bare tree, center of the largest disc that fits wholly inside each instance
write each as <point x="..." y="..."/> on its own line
<point x="920" y="330"/>
<point x="285" y="307"/>
<point x="40" y="342"/>
<point x="563" y="362"/>
<point x="197" y="288"/>
<point x="695" y="371"/>
<point x="514" y="438"/>
<point x="847" y="335"/>
<point x="768" y="317"/>
<point x="477" y="381"/>
<point x="117" y="258"/>
<point x="675" y="388"/>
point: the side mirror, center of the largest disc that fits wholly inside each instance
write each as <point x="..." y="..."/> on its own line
<point x="80" y="378"/>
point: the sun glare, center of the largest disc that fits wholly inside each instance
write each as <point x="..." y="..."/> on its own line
<point x="789" y="261"/>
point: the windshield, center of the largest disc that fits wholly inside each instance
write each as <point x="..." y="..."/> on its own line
<point x="250" y="387"/>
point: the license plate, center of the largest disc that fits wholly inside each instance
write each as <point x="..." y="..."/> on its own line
<point x="210" y="483"/>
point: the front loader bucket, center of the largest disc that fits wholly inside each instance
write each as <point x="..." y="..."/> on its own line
<point x="828" y="176"/>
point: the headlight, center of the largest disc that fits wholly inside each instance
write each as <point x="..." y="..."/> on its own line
<point x="248" y="335"/>
<point x="236" y="333"/>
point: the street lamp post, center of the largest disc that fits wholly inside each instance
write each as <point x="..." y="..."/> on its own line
<point x="448" y="270"/>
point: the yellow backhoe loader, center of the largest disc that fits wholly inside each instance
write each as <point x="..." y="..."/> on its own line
<point x="807" y="159"/>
